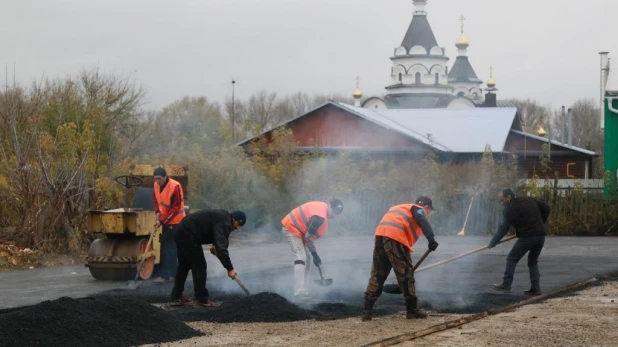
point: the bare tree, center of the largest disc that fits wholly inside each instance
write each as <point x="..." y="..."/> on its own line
<point x="533" y="114"/>
<point x="260" y="111"/>
<point x="586" y="125"/>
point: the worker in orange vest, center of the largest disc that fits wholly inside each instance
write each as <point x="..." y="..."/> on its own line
<point x="301" y="227"/>
<point x="397" y="232"/>
<point x="169" y="207"/>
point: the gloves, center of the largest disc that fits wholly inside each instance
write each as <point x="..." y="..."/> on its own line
<point x="433" y="245"/>
<point x="316" y="259"/>
<point x="213" y="251"/>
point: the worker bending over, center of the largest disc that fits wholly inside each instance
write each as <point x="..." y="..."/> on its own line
<point x="301" y="227"/>
<point x="397" y="232"/>
<point x="198" y="228"/>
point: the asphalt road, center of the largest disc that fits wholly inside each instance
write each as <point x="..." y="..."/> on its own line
<point x="268" y="267"/>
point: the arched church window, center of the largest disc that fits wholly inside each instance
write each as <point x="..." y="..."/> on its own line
<point x="400" y="77"/>
<point x="460" y="94"/>
<point x="437" y="78"/>
<point x="417" y="78"/>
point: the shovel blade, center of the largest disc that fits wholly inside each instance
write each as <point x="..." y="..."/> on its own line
<point x="325" y="282"/>
<point x="132" y="285"/>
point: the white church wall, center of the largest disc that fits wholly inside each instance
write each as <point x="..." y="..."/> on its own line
<point x="461" y="103"/>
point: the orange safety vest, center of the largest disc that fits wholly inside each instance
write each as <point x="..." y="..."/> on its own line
<point x="297" y="221"/>
<point x="164" y="200"/>
<point x="399" y="224"/>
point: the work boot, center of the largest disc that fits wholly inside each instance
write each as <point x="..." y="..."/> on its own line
<point x="179" y="301"/>
<point x="203" y="303"/>
<point x="501" y="288"/>
<point x="533" y="292"/>
<point x="392" y="288"/>
<point x="367" y="311"/>
<point x="412" y="310"/>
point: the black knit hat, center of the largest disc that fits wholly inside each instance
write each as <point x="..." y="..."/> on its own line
<point x="159" y="172"/>
<point x="240" y="217"/>
<point x="337" y="206"/>
<point x="424" y="200"/>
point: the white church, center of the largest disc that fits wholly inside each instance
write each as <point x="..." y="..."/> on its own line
<point x="420" y="77"/>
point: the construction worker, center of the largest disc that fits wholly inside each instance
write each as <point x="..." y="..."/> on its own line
<point x="209" y="226"/>
<point x="528" y="216"/>
<point x="301" y="227"/>
<point x="169" y="207"/>
<point x="397" y="232"/>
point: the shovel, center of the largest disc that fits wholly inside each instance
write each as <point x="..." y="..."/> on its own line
<point x="324" y="282"/>
<point x="242" y="285"/>
<point x="134" y="284"/>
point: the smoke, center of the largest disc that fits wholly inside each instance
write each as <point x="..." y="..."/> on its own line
<point x="368" y="187"/>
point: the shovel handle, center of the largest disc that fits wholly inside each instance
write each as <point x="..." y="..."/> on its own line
<point x="421" y="260"/>
<point x="461" y="255"/>
<point x="241" y="285"/>
<point x="321" y="277"/>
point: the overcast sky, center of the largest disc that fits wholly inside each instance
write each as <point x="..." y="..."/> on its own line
<point x="546" y="49"/>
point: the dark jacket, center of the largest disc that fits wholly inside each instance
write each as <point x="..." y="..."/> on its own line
<point x="211" y="227"/>
<point x="421" y="220"/>
<point x="527" y="215"/>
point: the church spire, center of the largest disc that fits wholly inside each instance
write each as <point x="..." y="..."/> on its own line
<point x="462" y="76"/>
<point x="462" y="42"/>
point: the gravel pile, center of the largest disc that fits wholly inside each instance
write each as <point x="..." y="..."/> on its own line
<point x="109" y="321"/>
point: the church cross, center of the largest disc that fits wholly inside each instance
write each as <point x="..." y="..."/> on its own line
<point x="462" y="18"/>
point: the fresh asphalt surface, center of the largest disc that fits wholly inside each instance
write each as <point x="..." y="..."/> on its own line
<point x="462" y="285"/>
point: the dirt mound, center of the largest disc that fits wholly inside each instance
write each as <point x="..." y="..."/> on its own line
<point x="262" y="307"/>
<point x="90" y="322"/>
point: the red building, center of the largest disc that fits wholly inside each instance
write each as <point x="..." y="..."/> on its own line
<point x="456" y="134"/>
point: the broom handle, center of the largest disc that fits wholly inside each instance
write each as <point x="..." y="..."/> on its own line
<point x="468" y="213"/>
<point x="461" y="255"/>
<point x="141" y="263"/>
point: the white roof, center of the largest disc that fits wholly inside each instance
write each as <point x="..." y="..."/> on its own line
<point x="455" y="130"/>
<point x="452" y="130"/>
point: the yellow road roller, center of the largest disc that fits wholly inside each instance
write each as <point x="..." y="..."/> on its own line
<point x="125" y="232"/>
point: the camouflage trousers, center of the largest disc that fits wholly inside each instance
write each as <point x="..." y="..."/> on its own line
<point x="389" y="254"/>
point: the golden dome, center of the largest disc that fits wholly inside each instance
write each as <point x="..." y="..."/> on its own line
<point x="357" y="93"/>
<point x="491" y="83"/>
<point x="541" y="132"/>
<point x="462" y="41"/>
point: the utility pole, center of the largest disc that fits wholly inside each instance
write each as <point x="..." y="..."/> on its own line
<point x="233" y="114"/>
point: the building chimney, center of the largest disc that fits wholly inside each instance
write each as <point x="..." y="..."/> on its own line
<point x="570" y="127"/>
<point x="604" y="76"/>
<point x="562" y="127"/>
<point x="490" y="100"/>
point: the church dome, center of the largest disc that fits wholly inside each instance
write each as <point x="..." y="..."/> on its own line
<point x="462" y="42"/>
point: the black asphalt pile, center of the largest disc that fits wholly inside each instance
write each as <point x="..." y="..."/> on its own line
<point x="262" y="307"/>
<point x="91" y="322"/>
